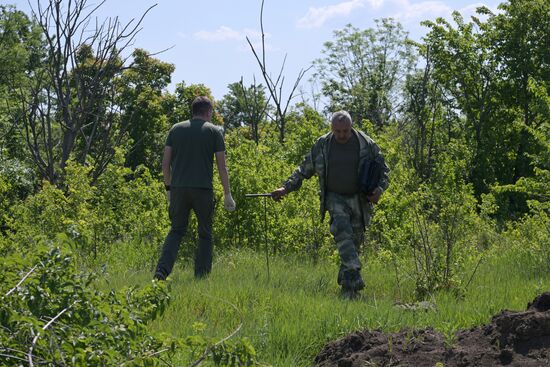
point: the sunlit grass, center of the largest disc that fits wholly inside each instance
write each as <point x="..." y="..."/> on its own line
<point x="289" y="316"/>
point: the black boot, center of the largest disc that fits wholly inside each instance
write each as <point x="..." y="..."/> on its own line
<point x="351" y="283"/>
<point x="351" y="279"/>
<point x="356" y="282"/>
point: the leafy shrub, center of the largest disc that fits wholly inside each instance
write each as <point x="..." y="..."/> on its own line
<point x="531" y="234"/>
<point x="51" y="315"/>
<point x="123" y="206"/>
<point x="431" y="225"/>
<point x="292" y="226"/>
<point x="16" y="183"/>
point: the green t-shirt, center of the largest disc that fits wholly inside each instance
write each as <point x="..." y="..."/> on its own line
<point x="343" y="163"/>
<point x="194" y="143"/>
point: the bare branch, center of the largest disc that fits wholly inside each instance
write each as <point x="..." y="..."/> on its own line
<point x="275" y="87"/>
<point x="13" y="357"/>
<point x="160" y="52"/>
<point x="35" y="339"/>
<point x="72" y="91"/>
<point x="22" y="280"/>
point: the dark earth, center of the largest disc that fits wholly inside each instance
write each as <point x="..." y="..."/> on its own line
<point x="514" y="339"/>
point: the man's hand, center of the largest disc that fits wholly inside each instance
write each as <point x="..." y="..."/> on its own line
<point x="374" y="196"/>
<point x="278" y="194"/>
<point x="229" y="203"/>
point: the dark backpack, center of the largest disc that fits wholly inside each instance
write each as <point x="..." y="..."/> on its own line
<point x="371" y="174"/>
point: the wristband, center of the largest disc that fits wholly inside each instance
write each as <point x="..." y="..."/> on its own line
<point x="167" y="187"/>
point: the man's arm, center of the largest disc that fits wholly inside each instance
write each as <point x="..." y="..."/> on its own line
<point x="229" y="203"/>
<point x="166" y="161"/>
<point x="166" y="171"/>
<point x="383" y="183"/>
<point x="222" y="171"/>
<point x="304" y="171"/>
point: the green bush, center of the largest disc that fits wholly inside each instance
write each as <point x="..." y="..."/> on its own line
<point x="16" y="183"/>
<point x="51" y="315"/>
<point x="292" y="226"/>
<point x="429" y="230"/>
<point x="123" y="206"/>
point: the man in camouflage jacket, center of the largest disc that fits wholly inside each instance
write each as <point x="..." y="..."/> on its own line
<point x="337" y="159"/>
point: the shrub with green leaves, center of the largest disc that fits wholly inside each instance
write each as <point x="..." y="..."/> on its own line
<point x="16" y="183"/>
<point x="123" y="206"/>
<point x="50" y="314"/>
<point x="291" y="226"/>
<point x="428" y="230"/>
<point x="531" y="235"/>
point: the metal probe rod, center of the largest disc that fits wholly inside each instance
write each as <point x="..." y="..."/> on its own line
<point x="265" y="196"/>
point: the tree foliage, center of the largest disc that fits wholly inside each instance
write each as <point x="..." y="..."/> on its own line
<point x="362" y="70"/>
<point x="144" y="104"/>
<point x="244" y="106"/>
<point x="21" y="49"/>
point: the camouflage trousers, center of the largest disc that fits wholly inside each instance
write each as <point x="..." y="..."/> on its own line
<point x="347" y="228"/>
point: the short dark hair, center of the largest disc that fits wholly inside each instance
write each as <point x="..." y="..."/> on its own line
<point x="201" y="105"/>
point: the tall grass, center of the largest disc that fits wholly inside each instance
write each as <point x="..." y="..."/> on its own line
<point x="289" y="316"/>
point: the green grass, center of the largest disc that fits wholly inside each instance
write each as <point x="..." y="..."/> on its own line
<point x="289" y="317"/>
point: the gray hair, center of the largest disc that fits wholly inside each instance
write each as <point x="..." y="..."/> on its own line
<point x="341" y="116"/>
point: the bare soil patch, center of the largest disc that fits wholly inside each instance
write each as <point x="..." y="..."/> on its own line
<point x="514" y="339"/>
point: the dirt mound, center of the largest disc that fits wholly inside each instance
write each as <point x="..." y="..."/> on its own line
<point x="514" y="339"/>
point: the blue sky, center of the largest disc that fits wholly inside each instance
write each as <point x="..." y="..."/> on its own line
<point x="207" y="37"/>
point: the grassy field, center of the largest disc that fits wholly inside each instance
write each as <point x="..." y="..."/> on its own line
<point x="291" y="315"/>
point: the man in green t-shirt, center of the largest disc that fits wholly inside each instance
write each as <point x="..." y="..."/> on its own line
<point x="187" y="169"/>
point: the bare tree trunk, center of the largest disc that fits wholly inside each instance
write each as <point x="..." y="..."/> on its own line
<point x="275" y="87"/>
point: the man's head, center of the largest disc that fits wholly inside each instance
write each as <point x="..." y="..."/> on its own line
<point x="202" y="108"/>
<point x="341" y="126"/>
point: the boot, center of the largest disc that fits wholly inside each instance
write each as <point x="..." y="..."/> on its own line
<point x="351" y="279"/>
<point x="357" y="282"/>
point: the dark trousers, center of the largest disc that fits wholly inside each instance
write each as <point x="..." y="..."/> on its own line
<point x="182" y="200"/>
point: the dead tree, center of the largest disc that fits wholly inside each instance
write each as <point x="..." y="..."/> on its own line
<point x="275" y="86"/>
<point x="70" y="108"/>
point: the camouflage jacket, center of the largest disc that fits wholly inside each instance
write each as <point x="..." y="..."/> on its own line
<point x="316" y="162"/>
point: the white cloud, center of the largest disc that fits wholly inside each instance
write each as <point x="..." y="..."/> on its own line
<point x="433" y="8"/>
<point x="316" y="17"/>
<point x="375" y="4"/>
<point x="421" y="10"/>
<point x="224" y="33"/>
